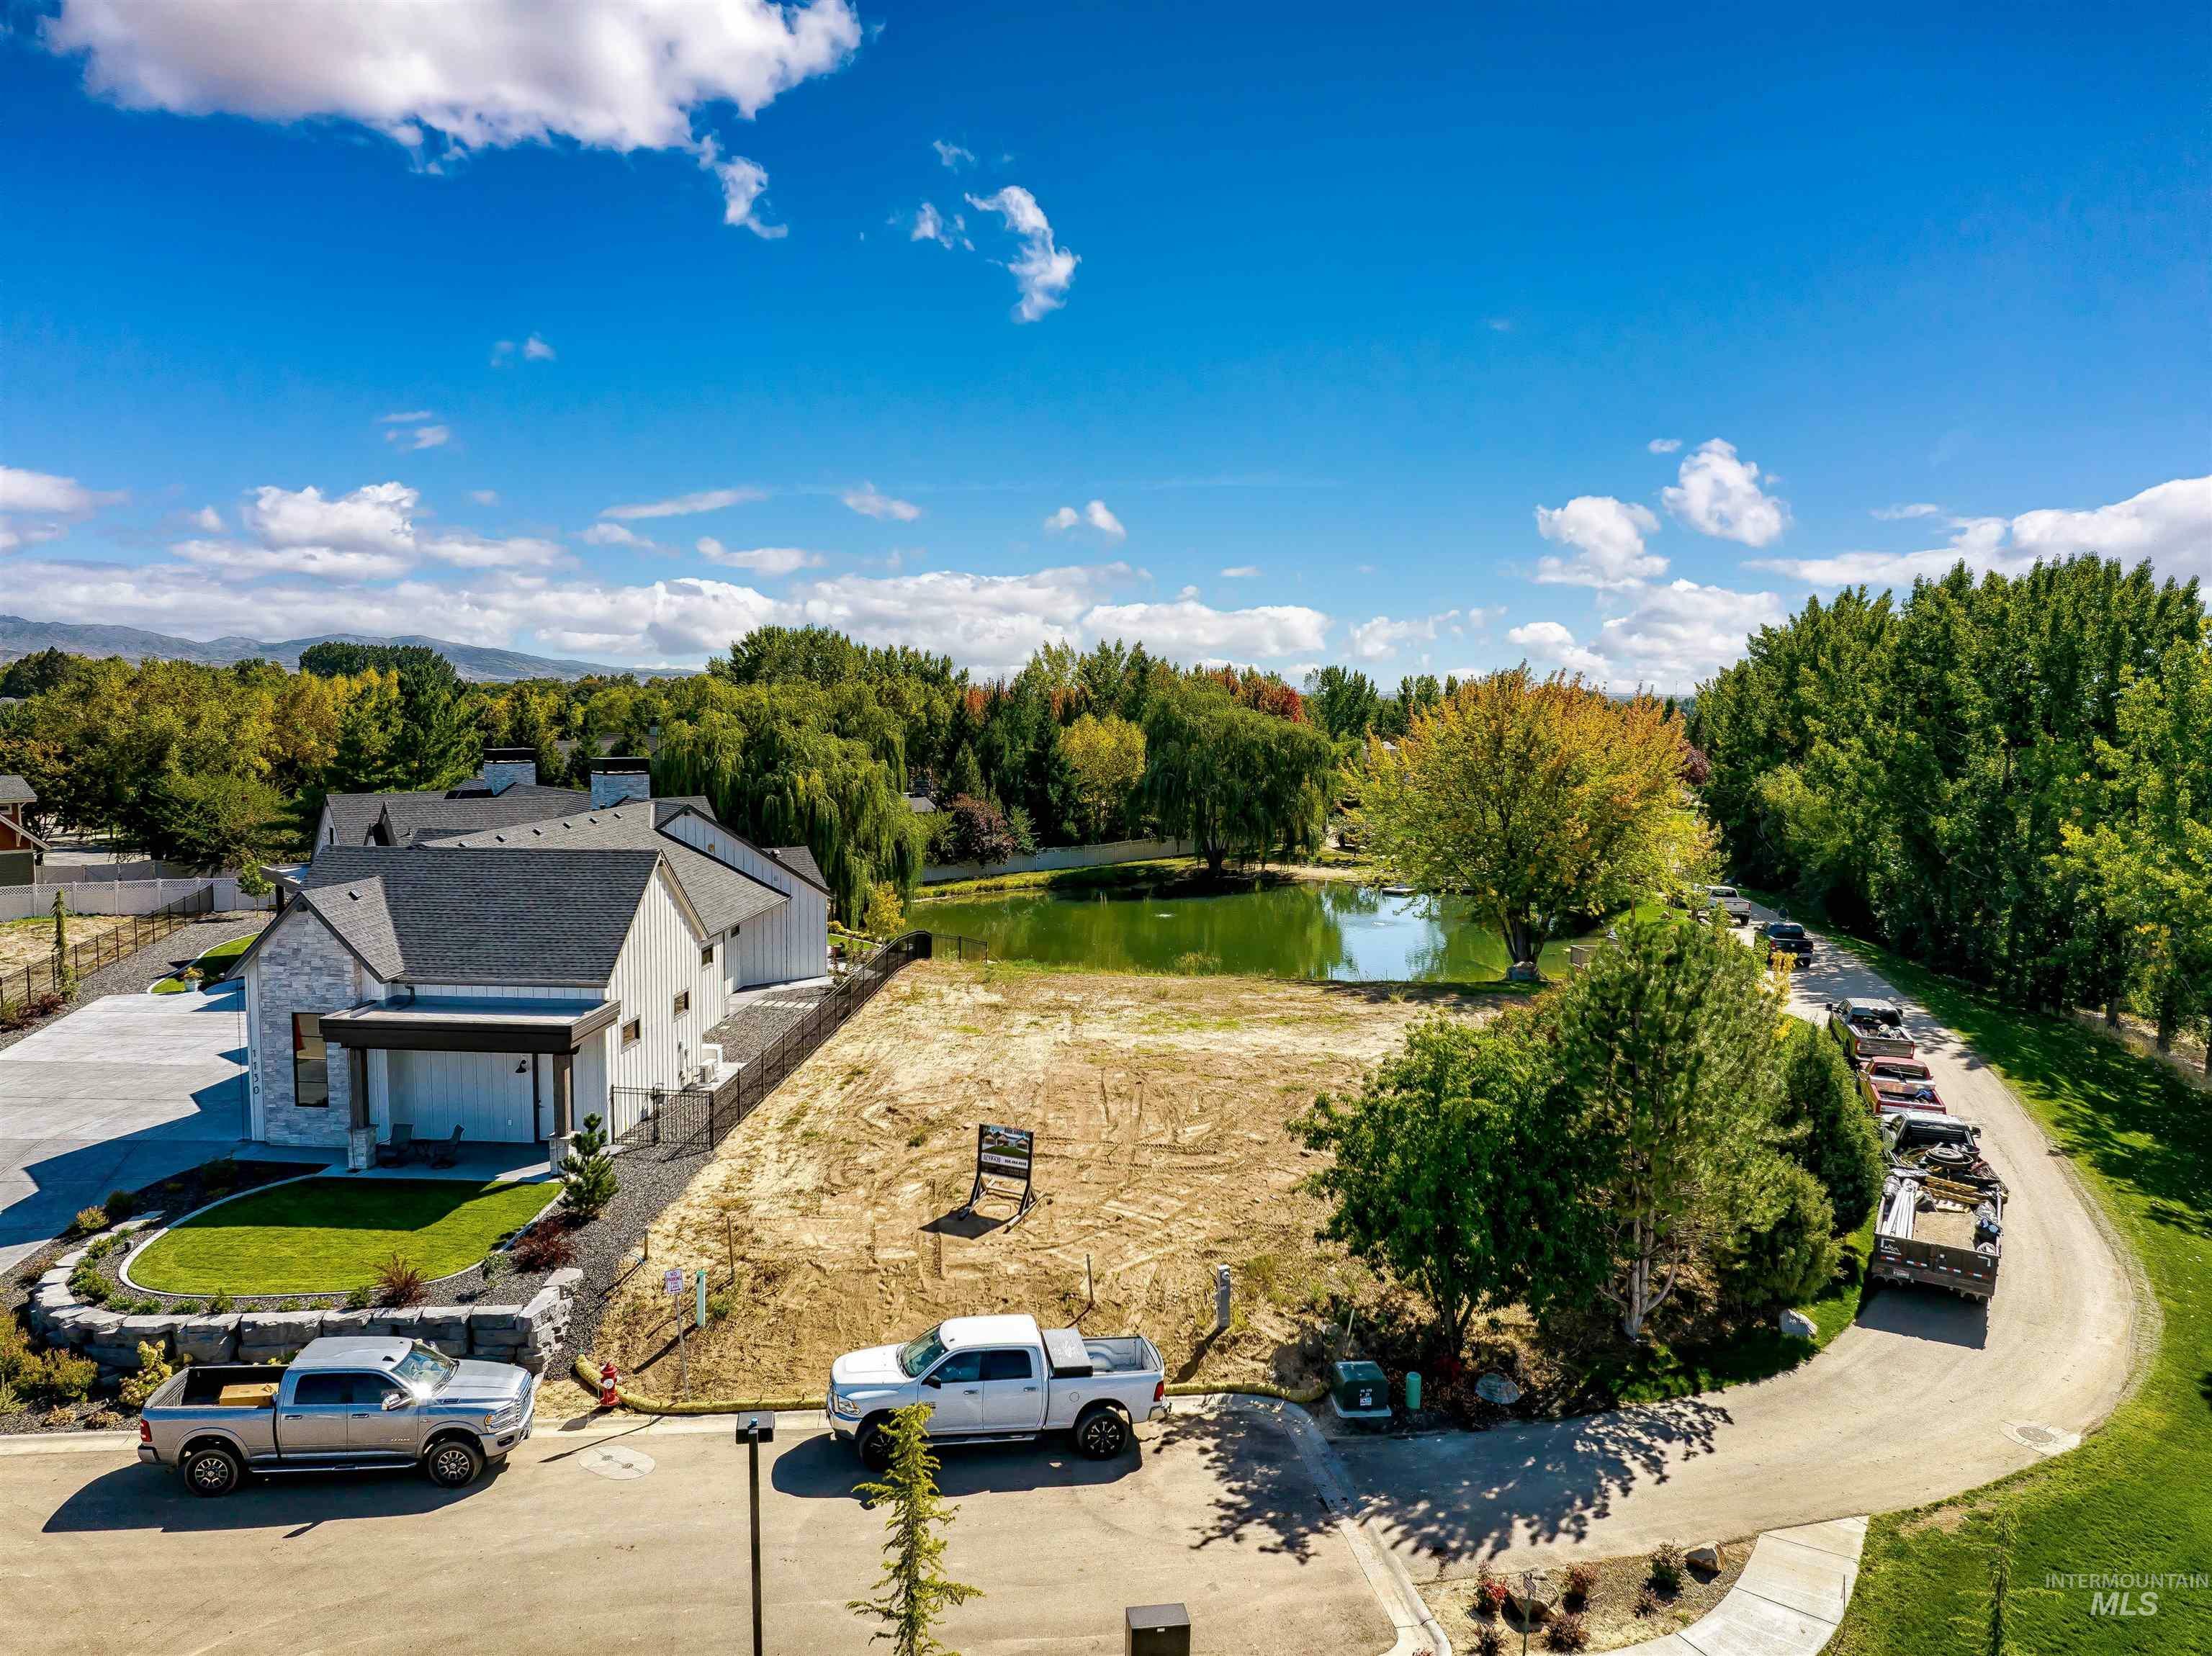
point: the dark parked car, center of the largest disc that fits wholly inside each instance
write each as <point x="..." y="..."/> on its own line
<point x="1786" y="938"/>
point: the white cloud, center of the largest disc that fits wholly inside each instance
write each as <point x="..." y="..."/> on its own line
<point x="613" y="534"/>
<point x="412" y="417"/>
<point x="421" y="438"/>
<point x="952" y="154"/>
<point x="761" y="560"/>
<point x="1500" y="324"/>
<point x="1675" y="635"/>
<point x="39" y="491"/>
<point x="376" y="518"/>
<point x="1552" y="644"/>
<point x="2170" y="523"/>
<point x="1719" y="494"/>
<point x="1095" y="514"/>
<point x="1241" y="572"/>
<point x="1916" y="509"/>
<point x="454" y="76"/>
<point x="1044" y="269"/>
<point x="992" y="622"/>
<point x="206" y="518"/>
<point x="322" y="562"/>
<point x="743" y="183"/>
<point x="1374" y="640"/>
<point x="1607" y="537"/>
<point x="485" y="496"/>
<point x="465" y="550"/>
<point x="930" y="225"/>
<point x="1067" y="517"/>
<point x="535" y="349"/>
<point x="1188" y="629"/>
<point x="869" y="504"/>
<point x="707" y="500"/>
<point x="1663" y="444"/>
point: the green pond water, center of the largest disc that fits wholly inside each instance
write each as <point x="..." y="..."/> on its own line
<point x="1334" y="928"/>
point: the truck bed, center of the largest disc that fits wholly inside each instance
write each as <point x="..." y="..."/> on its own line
<point x="1920" y="1239"/>
<point x="202" y="1386"/>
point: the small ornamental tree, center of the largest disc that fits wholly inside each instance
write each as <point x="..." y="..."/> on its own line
<point x="980" y="834"/>
<point x="587" y="1173"/>
<point x="913" y="1591"/>
<point x="885" y="913"/>
<point x="1829" y="1131"/>
<point x="65" y="977"/>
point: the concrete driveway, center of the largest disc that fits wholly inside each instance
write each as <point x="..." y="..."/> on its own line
<point x="122" y="1091"/>
<point x="1217" y="1512"/>
<point x="1926" y="1396"/>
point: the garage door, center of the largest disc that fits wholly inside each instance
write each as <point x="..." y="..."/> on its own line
<point x="485" y="1095"/>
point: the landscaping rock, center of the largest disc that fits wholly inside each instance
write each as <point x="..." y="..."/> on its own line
<point x="55" y="1279"/>
<point x="67" y="1327"/>
<point x="208" y="1339"/>
<point x="1797" y="1324"/>
<point x="263" y="1335"/>
<point x="497" y="1320"/>
<point x="403" y="1322"/>
<point x="1709" y="1558"/>
<point x="157" y="1331"/>
<point x="564" y="1281"/>
<point x="69" y="1261"/>
<point x="1532" y="1603"/>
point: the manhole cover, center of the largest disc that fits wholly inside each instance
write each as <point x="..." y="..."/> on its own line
<point x="2044" y="1440"/>
<point x="611" y="1461"/>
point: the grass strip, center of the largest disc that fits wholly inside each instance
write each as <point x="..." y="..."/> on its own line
<point x="221" y="955"/>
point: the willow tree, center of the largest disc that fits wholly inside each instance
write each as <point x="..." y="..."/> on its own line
<point x="1545" y="802"/>
<point x="1234" y="780"/>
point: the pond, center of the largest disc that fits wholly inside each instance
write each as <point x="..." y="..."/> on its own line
<point x="1300" y="929"/>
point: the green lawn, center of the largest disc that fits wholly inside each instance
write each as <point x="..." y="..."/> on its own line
<point x="2136" y="1497"/>
<point x="327" y="1236"/>
<point x="208" y="959"/>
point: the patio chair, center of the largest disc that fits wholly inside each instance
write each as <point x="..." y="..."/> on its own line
<point x="395" y="1154"/>
<point x="447" y="1153"/>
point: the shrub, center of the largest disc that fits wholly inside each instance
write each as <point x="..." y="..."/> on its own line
<point x="544" y="1247"/>
<point x="399" y="1282"/>
<point x="587" y="1173"/>
<point x="185" y="1308"/>
<point x="1490" y="1595"/>
<point x="90" y="1221"/>
<point x="62" y="1378"/>
<point x="1566" y="1632"/>
<point x="1582" y="1582"/>
<point x="89" y="1286"/>
<point x="719" y="1305"/>
<point x="100" y="1246"/>
<point x="1793" y="1258"/>
<point x="16" y="1358"/>
<point x="496" y="1266"/>
<point x="119" y="1205"/>
<point x="359" y="1297"/>
<point x="219" y="1304"/>
<point x="1489" y="1640"/>
<point x="219" y="1177"/>
<point x="1666" y="1575"/>
<point x="102" y="1419"/>
<point x="1647" y="1601"/>
<point x="153" y="1369"/>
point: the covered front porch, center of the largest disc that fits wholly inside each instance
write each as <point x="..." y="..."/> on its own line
<point x="467" y="1074"/>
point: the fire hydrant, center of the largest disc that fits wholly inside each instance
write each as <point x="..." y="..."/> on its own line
<point x="608" y="1397"/>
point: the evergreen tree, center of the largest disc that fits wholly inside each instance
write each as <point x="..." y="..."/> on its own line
<point x="587" y="1173"/>
<point x="913" y="1592"/>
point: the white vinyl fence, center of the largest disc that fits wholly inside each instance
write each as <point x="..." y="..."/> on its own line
<point x="1121" y="851"/>
<point x="24" y="902"/>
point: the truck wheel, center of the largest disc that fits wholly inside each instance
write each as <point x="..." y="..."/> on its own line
<point x="211" y="1471"/>
<point x="454" y="1464"/>
<point x="1102" y="1434"/>
<point x="875" y="1448"/>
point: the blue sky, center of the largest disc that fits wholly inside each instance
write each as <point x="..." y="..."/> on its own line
<point x="1393" y="313"/>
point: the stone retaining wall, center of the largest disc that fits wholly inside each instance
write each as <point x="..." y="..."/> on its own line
<point x="526" y="1334"/>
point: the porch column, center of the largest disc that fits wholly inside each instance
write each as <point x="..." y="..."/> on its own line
<point x="361" y="1135"/>
<point x="564" y="1107"/>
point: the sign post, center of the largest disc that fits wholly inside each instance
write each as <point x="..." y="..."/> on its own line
<point x="672" y="1283"/>
<point x="752" y="1431"/>
<point x="1004" y="1157"/>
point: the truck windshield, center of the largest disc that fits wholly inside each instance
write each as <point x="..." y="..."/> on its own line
<point x="424" y="1369"/>
<point x="920" y="1354"/>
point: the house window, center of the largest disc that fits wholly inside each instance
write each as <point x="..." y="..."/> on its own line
<point x="311" y="1068"/>
<point x="630" y="1032"/>
<point x="707" y="956"/>
<point x="683" y="1002"/>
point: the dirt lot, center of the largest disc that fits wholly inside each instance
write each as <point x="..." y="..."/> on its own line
<point x="31" y="942"/>
<point x="1159" y="1105"/>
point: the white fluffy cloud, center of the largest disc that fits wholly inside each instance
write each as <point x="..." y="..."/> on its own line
<point x="2170" y="523"/>
<point x="930" y="225"/>
<point x="329" y="563"/>
<point x="421" y="437"/>
<point x="1675" y="635"/>
<point x="1043" y="269"/>
<point x="206" y="518"/>
<point x="1371" y="640"/>
<point x="466" y="550"/>
<point x="613" y="534"/>
<point x="1188" y="628"/>
<point x="743" y="183"/>
<point x="57" y="502"/>
<point x="990" y="622"/>
<point x="461" y="74"/>
<point x="1095" y="514"/>
<point x="761" y="560"/>
<point x="379" y="518"/>
<point x="1607" y="538"/>
<point x="683" y="506"/>
<point x="1663" y="444"/>
<point x="952" y="154"/>
<point x="368" y="535"/>
<point x="869" y="504"/>
<point x="1719" y="494"/>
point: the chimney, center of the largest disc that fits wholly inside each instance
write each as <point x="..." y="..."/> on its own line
<point x="614" y="781"/>
<point x="505" y="767"/>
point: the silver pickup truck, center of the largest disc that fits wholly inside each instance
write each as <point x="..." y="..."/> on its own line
<point x="343" y="1404"/>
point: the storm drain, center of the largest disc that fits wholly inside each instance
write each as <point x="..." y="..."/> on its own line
<point x="2044" y="1440"/>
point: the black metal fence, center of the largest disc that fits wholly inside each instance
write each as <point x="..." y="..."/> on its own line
<point x="20" y="985"/>
<point x="675" y="1122"/>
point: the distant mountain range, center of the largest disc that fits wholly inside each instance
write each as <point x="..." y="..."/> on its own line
<point x="19" y="637"/>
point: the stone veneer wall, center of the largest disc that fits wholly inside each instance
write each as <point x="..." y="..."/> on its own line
<point x="303" y="967"/>
<point x="527" y="1335"/>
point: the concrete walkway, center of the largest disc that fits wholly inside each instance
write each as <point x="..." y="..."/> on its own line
<point x="1788" y="1601"/>
<point x="1990" y="1388"/>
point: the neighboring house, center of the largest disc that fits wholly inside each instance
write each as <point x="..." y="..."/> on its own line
<point x="921" y="804"/>
<point x="505" y="790"/>
<point x="510" y="978"/>
<point x="21" y="849"/>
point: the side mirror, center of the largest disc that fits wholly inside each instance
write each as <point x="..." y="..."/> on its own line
<point x="395" y="1400"/>
<point x="933" y="1383"/>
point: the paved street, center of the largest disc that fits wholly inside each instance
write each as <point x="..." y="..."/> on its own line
<point x="1911" y="1404"/>
<point x="1217" y="1513"/>
<point x="121" y="1092"/>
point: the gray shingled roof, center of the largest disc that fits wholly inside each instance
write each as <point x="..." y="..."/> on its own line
<point x="800" y="861"/>
<point x="410" y="816"/>
<point x="442" y="914"/>
<point x="14" y="790"/>
<point x="352" y="815"/>
<point x="724" y="896"/>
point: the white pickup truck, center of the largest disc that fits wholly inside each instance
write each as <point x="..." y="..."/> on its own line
<point x="1001" y="1380"/>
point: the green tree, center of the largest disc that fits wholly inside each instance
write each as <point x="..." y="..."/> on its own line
<point x="216" y="819"/>
<point x="587" y="1173"/>
<point x="1107" y="756"/>
<point x="1827" y="1128"/>
<point x="913" y="1592"/>
<point x="885" y="912"/>
<point x="1666" y="1054"/>
<point x="1545" y="801"/>
<point x="1791" y="1256"/>
<point x="1234" y="780"/>
<point x="1343" y="702"/>
<point x="1447" y="1172"/>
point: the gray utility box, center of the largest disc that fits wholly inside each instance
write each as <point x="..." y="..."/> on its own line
<point x="1158" y="1630"/>
<point x="1360" y="1393"/>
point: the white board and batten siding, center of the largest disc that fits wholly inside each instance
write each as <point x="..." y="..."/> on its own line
<point x="659" y="960"/>
<point x="783" y="946"/>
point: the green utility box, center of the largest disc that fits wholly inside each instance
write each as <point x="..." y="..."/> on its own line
<point x="1360" y="1393"/>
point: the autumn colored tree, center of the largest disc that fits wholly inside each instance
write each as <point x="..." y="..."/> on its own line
<point x="1107" y="757"/>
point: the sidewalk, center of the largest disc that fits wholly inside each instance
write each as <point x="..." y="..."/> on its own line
<point x="1788" y="1601"/>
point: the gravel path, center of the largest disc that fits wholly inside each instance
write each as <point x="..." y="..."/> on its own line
<point x="130" y="975"/>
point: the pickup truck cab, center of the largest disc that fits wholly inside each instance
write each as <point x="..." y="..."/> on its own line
<point x="1899" y="1084"/>
<point x="343" y="1404"/>
<point x="999" y="1380"/>
<point x="1869" y="1029"/>
<point x="1786" y="938"/>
